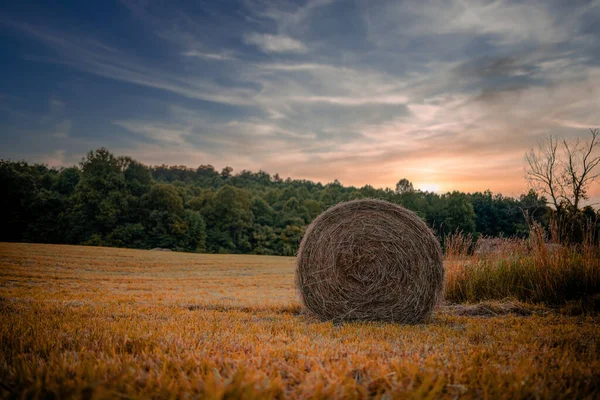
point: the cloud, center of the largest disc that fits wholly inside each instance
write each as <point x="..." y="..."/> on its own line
<point x="297" y="67"/>
<point x="209" y="56"/>
<point x="448" y="93"/>
<point x="156" y="132"/>
<point x="95" y="57"/>
<point x="508" y="22"/>
<point x="275" y="43"/>
<point x="504" y="22"/>
<point x="287" y="17"/>
<point x="158" y="154"/>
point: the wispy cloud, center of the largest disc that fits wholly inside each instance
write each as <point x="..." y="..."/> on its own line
<point x="97" y="58"/>
<point x="276" y="43"/>
<point x="289" y="18"/>
<point x="209" y="56"/>
<point x="504" y="22"/>
<point x="157" y="132"/>
<point x="508" y="23"/>
<point x="448" y="93"/>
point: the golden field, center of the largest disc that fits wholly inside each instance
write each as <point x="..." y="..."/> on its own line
<point x="86" y="322"/>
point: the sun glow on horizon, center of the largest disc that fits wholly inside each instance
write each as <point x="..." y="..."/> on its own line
<point x="428" y="187"/>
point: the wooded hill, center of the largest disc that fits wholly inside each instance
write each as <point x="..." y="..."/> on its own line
<point x="117" y="201"/>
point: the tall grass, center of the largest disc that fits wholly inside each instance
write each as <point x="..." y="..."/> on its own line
<point x="531" y="270"/>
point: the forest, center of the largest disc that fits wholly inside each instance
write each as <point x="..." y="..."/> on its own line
<point x="110" y="200"/>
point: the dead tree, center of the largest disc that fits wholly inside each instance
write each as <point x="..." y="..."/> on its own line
<point x="564" y="171"/>
<point x="565" y="176"/>
<point x="580" y="169"/>
<point x="542" y="166"/>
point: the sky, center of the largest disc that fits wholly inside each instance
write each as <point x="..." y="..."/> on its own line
<point x="448" y="94"/>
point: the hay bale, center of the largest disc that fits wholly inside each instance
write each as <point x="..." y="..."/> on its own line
<point x="369" y="260"/>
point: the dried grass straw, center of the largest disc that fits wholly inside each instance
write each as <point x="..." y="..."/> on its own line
<point x="369" y="260"/>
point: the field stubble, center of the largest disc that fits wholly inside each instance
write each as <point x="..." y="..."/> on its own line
<point x="101" y="322"/>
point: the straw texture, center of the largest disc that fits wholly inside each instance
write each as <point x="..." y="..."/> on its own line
<point x="369" y="260"/>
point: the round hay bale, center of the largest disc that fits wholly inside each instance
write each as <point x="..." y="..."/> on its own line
<point x="369" y="260"/>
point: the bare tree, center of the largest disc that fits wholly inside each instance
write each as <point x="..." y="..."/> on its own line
<point x="566" y="176"/>
<point x="542" y="165"/>
<point x="579" y="171"/>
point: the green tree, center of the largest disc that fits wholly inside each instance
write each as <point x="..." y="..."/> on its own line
<point x="459" y="214"/>
<point x="100" y="197"/>
<point x="132" y="235"/>
<point x="194" y="238"/>
<point x="263" y="213"/>
<point x="138" y="177"/>
<point x="291" y="236"/>
<point x="226" y="173"/>
<point x="164" y="197"/>
<point x="264" y="240"/>
<point x="117" y="201"/>
<point x="229" y="219"/>
<point x="404" y="186"/>
<point x="294" y="213"/>
<point x="169" y="225"/>
<point x="313" y="207"/>
<point x="67" y="181"/>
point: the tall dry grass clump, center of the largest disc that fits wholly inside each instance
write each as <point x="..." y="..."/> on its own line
<point x="458" y="246"/>
<point x="535" y="270"/>
<point x="369" y="260"/>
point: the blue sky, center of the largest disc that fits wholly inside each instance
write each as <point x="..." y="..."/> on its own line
<point x="448" y="94"/>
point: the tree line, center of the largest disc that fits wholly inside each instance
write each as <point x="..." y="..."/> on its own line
<point x="117" y="201"/>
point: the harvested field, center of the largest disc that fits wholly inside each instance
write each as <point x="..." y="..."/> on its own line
<point x="102" y="322"/>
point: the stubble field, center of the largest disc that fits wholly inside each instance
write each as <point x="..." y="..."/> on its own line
<point x="84" y="322"/>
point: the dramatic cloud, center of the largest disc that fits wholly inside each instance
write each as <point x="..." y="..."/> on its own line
<point x="447" y="94"/>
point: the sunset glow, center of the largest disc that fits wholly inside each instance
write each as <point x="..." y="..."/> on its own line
<point x="448" y="95"/>
<point x="428" y="187"/>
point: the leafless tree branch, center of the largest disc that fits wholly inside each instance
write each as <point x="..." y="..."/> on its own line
<point x="565" y="179"/>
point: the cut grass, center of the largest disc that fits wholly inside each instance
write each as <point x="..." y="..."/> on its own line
<point x="104" y="323"/>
